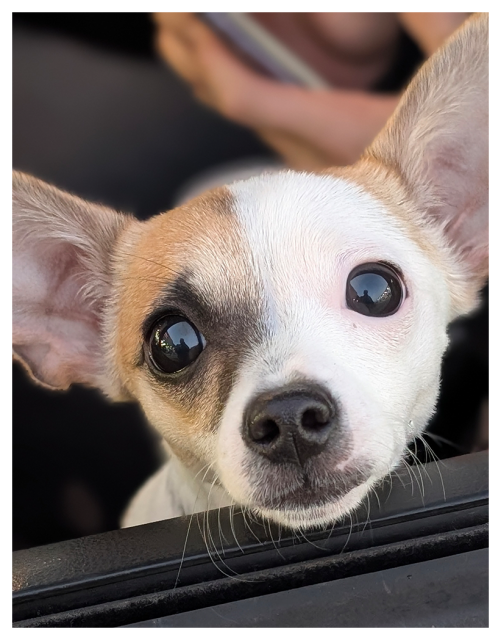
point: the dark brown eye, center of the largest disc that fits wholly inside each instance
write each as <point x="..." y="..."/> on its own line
<point x="174" y="343"/>
<point x="374" y="289"/>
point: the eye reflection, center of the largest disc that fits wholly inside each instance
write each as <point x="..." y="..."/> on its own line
<point x="177" y="340"/>
<point x="174" y="344"/>
<point x="370" y="282"/>
<point x="374" y="289"/>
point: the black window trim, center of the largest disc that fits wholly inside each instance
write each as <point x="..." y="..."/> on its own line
<point x="128" y="576"/>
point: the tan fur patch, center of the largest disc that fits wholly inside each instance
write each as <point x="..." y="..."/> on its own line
<point x="153" y="254"/>
<point x="202" y="239"/>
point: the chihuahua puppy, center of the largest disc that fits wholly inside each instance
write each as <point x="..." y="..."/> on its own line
<point x="284" y="334"/>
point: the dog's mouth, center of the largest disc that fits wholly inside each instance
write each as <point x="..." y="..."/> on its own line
<point x="308" y="500"/>
<point x="299" y="514"/>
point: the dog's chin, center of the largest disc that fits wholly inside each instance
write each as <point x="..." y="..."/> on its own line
<point x="318" y="515"/>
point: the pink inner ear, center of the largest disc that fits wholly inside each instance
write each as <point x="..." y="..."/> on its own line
<point x="55" y="328"/>
<point x="459" y="168"/>
<point x="437" y="140"/>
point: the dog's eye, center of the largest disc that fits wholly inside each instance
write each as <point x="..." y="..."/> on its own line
<point x="374" y="289"/>
<point x="174" y="343"/>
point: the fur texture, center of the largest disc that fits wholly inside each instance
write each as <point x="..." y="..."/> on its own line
<point x="261" y="268"/>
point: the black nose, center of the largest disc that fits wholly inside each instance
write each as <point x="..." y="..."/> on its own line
<point x="290" y="424"/>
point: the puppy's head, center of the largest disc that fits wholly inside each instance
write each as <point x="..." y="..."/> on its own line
<point x="287" y="330"/>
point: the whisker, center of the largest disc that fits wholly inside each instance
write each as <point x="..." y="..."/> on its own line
<point x="367" y="519"/>
<point x="418" y="466"/>
<point x="440" y="439"/>
<point x="210" y="540"/>
<point x="437" y="461"/>
<point x="189" y="526"/>
<point x="205" y="539"/>
<point x="232" y="525"/>
<point x="390" y="477"/>
<point x="349" y="533"/>
<point x="220" y="530"/>
<point x="373" y="490"/>
<point x="149" y="260"/>
<point x="331" y="531"/>
<point x="396" y="473"/>
<point x="246" y="512"/>
<point x="411" y="474"/>
<point x="419" y="463"/>
<point x="271" y="537"/>
<point x="303" y="534"/>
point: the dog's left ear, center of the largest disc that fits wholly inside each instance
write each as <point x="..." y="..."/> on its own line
<point x="62" y="281"/>
<point x="437" y="143"/>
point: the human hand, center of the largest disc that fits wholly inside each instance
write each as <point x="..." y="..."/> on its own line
<point x="310" y="129"/>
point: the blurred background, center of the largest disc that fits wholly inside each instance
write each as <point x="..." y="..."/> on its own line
<point x="95" y="112"/>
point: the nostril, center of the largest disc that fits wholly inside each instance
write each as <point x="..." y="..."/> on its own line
<point x="312" y="418"/>
<point x="315" y="418"/>
<point x="264" y="431"/>
<point x="290" y="424"/>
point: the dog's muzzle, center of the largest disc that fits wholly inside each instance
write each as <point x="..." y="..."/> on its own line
<point x="290" y="424"/>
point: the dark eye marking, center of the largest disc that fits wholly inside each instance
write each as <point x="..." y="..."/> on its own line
<point x="375" y="289"/>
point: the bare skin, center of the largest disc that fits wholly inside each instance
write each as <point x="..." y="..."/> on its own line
<point x="309" y="129"/>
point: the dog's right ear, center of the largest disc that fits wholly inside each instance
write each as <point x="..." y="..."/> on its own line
<point x="62" y="275"/>
<point x="436" y="142"/>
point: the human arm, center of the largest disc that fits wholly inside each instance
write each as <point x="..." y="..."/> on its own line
<point x="308" y="128"/>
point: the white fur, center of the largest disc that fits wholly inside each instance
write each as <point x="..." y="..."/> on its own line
<point x="298" y="237"/>
<point x="384" y="371"/>
<point x="171" y="492"/>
